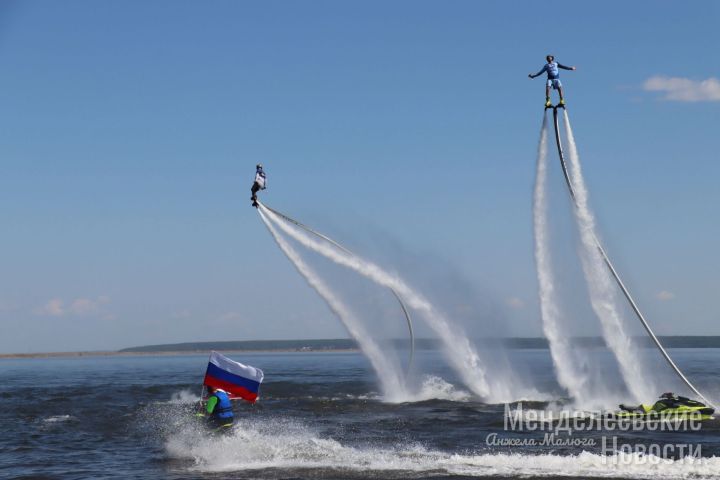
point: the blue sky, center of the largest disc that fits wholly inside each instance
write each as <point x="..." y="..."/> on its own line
<point x="129" y="132"/>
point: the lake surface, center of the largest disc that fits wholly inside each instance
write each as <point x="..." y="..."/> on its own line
<point x="321" y="415"/>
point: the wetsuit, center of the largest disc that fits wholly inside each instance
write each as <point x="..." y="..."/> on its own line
<point x="260" y="183"/>
<point x="220" y="409"/>
<point x="553" y="74"/>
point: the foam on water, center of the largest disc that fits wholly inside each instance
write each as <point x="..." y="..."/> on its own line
<point x="286" y="445"/>
<point x="435" y="388"/>
<point x="58" y="419"/>
<point x="184" y="397"/>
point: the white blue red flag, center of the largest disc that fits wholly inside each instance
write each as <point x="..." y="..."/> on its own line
<point x="238" y="380"/>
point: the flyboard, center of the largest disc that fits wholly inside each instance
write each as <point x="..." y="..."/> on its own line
<point x="610" y="266"/>
<point x="340" y="247"/>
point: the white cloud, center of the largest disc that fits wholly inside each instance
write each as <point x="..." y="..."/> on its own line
<point x="57" y="307"/>
<point x="86" y="306"/>
<point x="53" y="308"/>
<point x="515" y="302"/>
<point x="684" y="89"/>
<point x="664" y="295"/>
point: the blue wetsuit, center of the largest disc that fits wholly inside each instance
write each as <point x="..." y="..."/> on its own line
<point x="553" y="73"/>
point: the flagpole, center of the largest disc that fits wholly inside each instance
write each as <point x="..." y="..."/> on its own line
<point x="202" y="388"/>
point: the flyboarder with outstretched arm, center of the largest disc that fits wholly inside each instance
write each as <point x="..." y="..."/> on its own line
<point x="260" y="183"/>
<point x="553" y="79"/>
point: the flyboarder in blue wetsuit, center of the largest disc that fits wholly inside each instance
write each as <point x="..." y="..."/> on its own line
<point x="219" y="408"/>
<point x="552" y="68"/>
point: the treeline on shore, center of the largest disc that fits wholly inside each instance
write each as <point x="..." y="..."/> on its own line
<point x="420" y="344"/>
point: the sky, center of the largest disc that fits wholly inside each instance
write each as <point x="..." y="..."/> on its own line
<point x="129" y="132"/>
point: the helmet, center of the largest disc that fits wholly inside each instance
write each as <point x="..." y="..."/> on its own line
<point x="550" y="58"/>
<point x="259" y="165"/>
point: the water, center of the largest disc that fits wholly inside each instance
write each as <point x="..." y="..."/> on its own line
<point x="570" y="372"/>
<point x="388" y="372"/>
<point x="458" y="349"/>
<point x="320" y="416"/>
<point x="601" y="285"/>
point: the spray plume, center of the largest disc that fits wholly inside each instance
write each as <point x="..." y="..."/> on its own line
<point x="391" y="380"/>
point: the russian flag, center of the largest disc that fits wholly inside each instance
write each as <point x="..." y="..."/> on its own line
<point x="238" y="380"/>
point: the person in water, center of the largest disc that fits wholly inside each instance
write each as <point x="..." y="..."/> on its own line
<point x="218" y="408"/>
<point x="552" y="68"/>
<point x="259" y="184"/>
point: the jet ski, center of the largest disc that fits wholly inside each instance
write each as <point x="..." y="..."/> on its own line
<point x="668" y="406"/>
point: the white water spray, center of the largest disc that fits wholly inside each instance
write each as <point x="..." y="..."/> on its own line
<point x="285" y="448"/>
<point x="570" y="373"/>
<point x="601" y="286"/>
<point x="391" y="380"/>
<point x="458" y="350"/>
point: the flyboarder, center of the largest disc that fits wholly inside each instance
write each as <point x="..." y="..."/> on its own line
<point x="259" y="183"/>
<point x="218" y="408"/>
<point x="553" y="79"/>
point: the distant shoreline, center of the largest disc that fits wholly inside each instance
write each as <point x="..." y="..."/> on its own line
<point x="348" y="345"/>
<point x="4" y="356"/>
